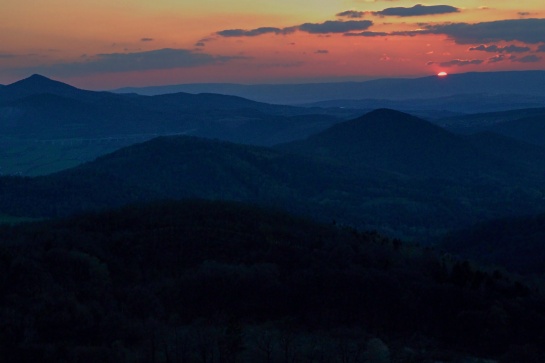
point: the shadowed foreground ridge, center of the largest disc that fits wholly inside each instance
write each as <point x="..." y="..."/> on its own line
<point x="150" y="282"/>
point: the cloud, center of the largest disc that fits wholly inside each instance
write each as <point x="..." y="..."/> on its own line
<point x="541" y="48"/>
<point x="253" y="32"/>
<point x="353" y="14"/>
<point x="128" y="62"/>
<point x="408" y="33"/>
<point x="367" y="34"/>
<point x="527" y="59"/>
<point x="146" y="40"/>
<point x="7" y="55"/>
<point x="330" y="26"/>
<point x="496" y="58"/>
<point x="322" y="51"/>
<point x="418" y="10"/>
<point x="457" y="62"/>
<point x="525" y="30"/>
<point x="333" y="26"/>
<point x="202" y="42"/>
<point x="495" y="49"/>
<point x="523" y="13"/>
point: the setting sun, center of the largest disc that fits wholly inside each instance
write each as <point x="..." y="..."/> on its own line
<point x="442" y="74"/>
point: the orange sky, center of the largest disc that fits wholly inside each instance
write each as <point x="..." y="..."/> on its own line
<point x="107" y="44"/>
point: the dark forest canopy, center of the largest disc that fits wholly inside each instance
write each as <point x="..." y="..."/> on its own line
<point x="150" y="282"/>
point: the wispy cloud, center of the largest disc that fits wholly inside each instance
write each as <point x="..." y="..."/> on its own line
<point x="407" y="33"/>
<point x="367" y="34"/>
<point x="497" y="58"/>
<point x="495" y="49"/>
<point x="527" y="59"/>
<point x="352" y="14"/>
<point x="254" y="32"/>
<point x="458" y="62"/>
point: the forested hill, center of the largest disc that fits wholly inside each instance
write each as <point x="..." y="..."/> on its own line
<point x="187" y="167"/>
<point x="401" y="143"/>
<point x="179" y="167"/>
<point x="177" y="281"/>
<point x="37" y="84"/>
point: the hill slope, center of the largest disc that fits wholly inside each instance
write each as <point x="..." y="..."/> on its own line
<point x="529" y="129"/>
<point x="182" y="167"/>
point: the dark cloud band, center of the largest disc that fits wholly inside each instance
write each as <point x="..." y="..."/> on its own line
<point x="330" y="26"/>
<point x="529" y="31"/>
<point x="253" y="32"/>
<point x="129" y="62"/>
<point x="417" y="10"/>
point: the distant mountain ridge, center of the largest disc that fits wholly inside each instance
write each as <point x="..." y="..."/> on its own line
<point x="494" y="83"/>
<point x="460" y="103"/>
<point x="42" y="108"/>
<point x="527" y="125"/>
<point x="37" y="110"/>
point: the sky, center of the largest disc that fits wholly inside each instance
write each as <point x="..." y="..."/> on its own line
<point x="106" y="44"/>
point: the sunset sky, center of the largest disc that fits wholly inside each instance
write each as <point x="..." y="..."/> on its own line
<point x="103" y="44"/>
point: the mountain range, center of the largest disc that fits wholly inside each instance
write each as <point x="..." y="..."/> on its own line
<point x="264" y="239"/>
<point x="42" y="119"/>
<point x="355" y="172"/>
<point x="520" y="83"/>
<point x="37" y="107"/>
<point x="48" y="126"/>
